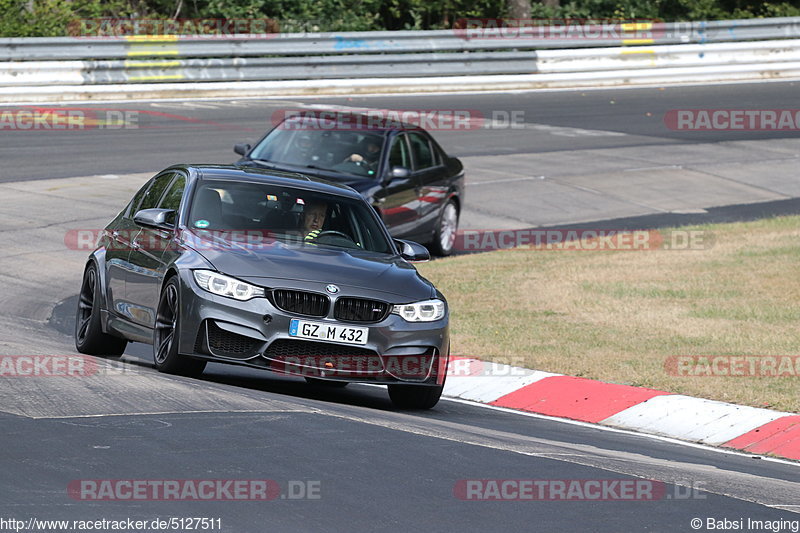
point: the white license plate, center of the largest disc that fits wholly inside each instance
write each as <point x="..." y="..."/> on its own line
<point x="328" y="332"/>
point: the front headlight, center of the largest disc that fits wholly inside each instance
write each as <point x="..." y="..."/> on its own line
<point x="217" y="283"/>
<point x="426" y="311"/>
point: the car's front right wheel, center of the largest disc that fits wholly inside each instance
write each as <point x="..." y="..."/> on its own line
<point x="89" y="336"/>
<point x="415" y="396"/>
<point x="165" y="335"/>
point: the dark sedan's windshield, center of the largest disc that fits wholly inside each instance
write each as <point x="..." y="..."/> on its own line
<point x="295" y="143"/>
<point x="284" y="214"/>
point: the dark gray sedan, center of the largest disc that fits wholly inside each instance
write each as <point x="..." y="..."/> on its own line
<point x="267" y="269"/>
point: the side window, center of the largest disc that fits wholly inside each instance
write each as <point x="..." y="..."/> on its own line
<point x="153" y="194"/>
<point x="398" y="156"/>
<point x="137" y="199"/>
<point x="437" y="155"/>
<point x="172" y="198"/>
<point x="421" y="148"/>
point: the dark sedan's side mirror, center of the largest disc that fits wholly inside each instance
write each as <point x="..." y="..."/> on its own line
<point x="155" y="218"/>
<point x="399" y="173"/>
<point x="412" y="252"/>
<point x="241" y="148"/>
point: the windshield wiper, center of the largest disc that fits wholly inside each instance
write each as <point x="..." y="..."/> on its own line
<point x="264" y="162"/>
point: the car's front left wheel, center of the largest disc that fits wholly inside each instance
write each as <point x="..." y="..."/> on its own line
<point x="89" y="336"/>
<point x="165" y="335"/>
<point x="444" y="238"/>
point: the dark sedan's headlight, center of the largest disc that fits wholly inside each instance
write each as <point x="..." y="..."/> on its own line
<point x="426" y="311"/>
<point x="222" y="285"/>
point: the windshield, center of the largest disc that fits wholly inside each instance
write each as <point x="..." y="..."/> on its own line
<point x="294" y="143"/>
<point x="262" y="212"/>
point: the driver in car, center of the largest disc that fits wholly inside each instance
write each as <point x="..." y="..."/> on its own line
<point x="371" y="152"/>
<point x="314" y="215"/>
<point x="313" y="218"/>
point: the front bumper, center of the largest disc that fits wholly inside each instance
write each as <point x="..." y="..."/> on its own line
<point x="255" y="333"/>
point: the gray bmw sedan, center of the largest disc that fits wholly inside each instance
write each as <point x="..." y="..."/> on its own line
<point x="268" y="269"/>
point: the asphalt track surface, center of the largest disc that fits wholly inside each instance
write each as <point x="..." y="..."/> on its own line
<point x="205" y="131"/>
<point x="377" y="469"/>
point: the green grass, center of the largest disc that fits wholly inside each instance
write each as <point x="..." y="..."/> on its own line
<point x="617" y="316"/>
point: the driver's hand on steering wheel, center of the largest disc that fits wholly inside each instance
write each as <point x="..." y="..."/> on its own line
<point x="355" y="158"/>
<point x="311" y="236"/>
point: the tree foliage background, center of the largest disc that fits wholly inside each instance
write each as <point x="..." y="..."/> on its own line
<point x="32" y="18"/>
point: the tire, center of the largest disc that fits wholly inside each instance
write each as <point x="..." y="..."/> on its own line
<point x="444" y="238"/>
<point x="328" y="383"/>
<point x="165" y="335"/>
<point x="415" y="396"/>
<point x="89" y="336"/>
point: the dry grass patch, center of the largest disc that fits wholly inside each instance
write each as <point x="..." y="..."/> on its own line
<point x="618" y="315"/>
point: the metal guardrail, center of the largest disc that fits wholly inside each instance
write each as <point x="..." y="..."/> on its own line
<point x="95" y="61"/>
<point x="396" y="42"/>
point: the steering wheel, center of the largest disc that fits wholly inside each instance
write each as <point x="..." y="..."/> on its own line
<point x="362" y="163"/>
<point x="335" y="234"/>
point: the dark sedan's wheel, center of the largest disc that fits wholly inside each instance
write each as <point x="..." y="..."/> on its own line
<point x="331" y="384"/>
<point x="415" y="396"/>
<point x="89" y="336"/>
<point x="165" y="336"/>
<point x="445" y="236"/>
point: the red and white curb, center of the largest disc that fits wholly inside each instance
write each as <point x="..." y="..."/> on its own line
<point x="750" y="429"/>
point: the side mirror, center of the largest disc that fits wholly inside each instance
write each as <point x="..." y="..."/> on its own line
<point x="241" y="148"/>
<point x="399" y="173"/>
<point x="412" y="252"/>
<point x="155" y="218"/>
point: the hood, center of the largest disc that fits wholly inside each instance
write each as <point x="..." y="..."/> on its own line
<point x="276" y="261"/>
<point x="356" y="182"/>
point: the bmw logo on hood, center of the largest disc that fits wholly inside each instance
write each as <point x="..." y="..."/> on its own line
<point x="333" y="289"/>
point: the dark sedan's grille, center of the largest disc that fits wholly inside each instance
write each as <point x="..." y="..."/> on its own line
<point x="360" y="310"/>
<point x="301" y="302"/>
<point x="228" y="344"/>
<point x="292" y="348"/>
<point x="295" y="356"/>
